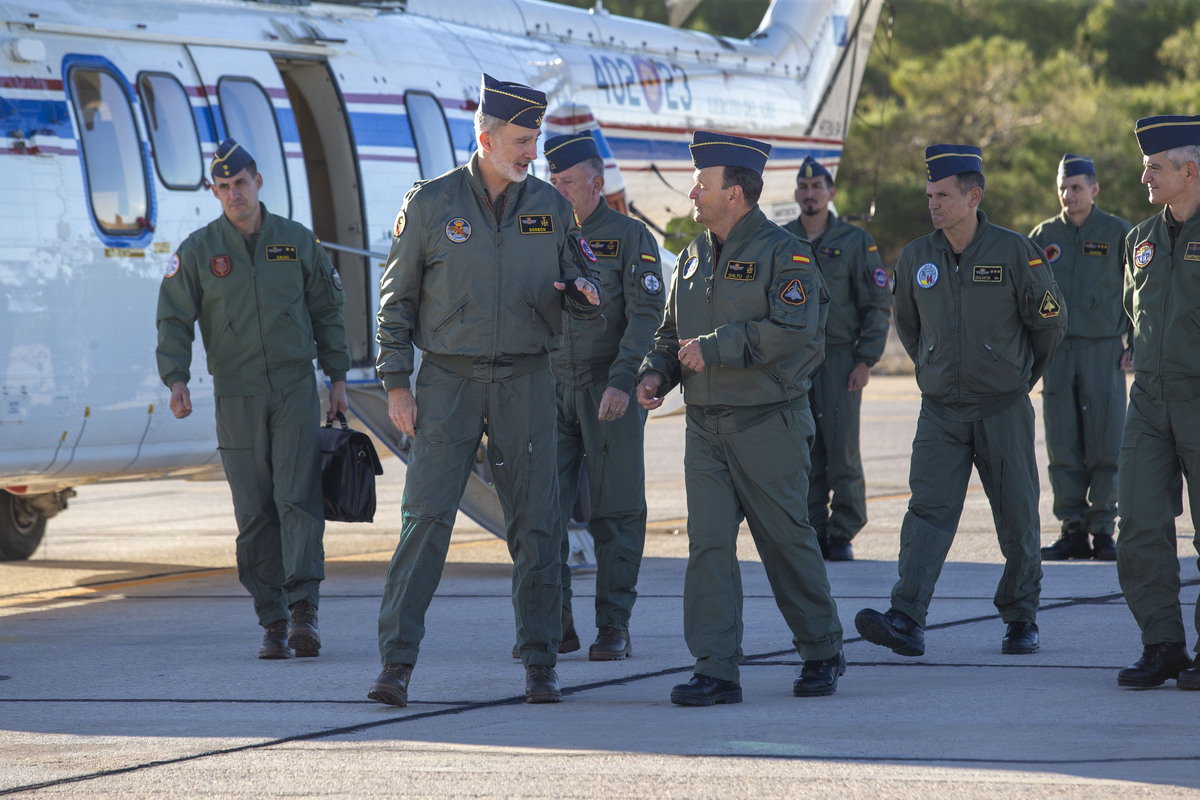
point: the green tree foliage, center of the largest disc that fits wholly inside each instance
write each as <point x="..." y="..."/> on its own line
<point x="1026" y="80"/>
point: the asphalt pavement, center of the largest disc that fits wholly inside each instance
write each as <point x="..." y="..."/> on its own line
<point x="128" y="669"/>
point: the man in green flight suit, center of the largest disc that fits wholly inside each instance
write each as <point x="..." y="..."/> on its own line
<point x="743" y="330"/>
<point x="484" y="259"/>
<point x="1162" y="424"/>
<point x="979" y="313"/>
<point x="855" y="334"/>
<point x="268" y="302"/>
<point x="595" y="368"/>
<point x="1083" y="390"/>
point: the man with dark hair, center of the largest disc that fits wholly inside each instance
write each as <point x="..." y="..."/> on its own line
<point x="854" y="340"/>
<point x="1083" y="390"/>
<point x="980" y="315"/>
<point x="484" y="260"/>
<point x="1161" y="444"/>
<point x="595" y="367"/>
<point x="268" y="301"/>
<point x="743" y="330"/>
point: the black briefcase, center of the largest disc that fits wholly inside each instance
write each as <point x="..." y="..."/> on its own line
<point x="349" y="465"/>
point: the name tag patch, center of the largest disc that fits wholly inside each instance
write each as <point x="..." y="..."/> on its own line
<point x="829" y="252"/>
<point x="605" y="248"/>
<point x="1193" y="252"/>
<point x="1095" y="249"/>
<point x="537" y="223"/>
<point x="987" y="274"/>
<point x="282" y="252"/>
<point x="740" y="270"/>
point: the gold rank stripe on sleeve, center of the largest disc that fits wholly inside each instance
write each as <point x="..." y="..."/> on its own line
<point x="799" y="259"/>
<point x="1035" y="262"/>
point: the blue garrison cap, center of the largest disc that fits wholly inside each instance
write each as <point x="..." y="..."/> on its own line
<point x="944" y="160"/>
<point x="811" y="168"/>
<point x="721" y="150"/>
<point x="564" y="152"/>
<point x="512" y="102"/>
<point x="1072" y="164"/>
<point x="1156" y="134"/>
<point x="231" y="158"/>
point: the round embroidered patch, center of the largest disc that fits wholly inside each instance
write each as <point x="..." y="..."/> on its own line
<point x="587" y="251"/>
<point x="880" y="277"/>
<point x="173" y="266"/>
<point x="927" y="275"/>
<point x="458" y="230"/>
<point x="689" y="268"/>
<point x="399" y="228"/>
<point x="1143" y="254"/>
<point x="1053" y="253"/>
<point x="651" y="283"/>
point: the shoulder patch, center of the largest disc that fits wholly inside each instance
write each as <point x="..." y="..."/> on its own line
<point x="649" y="258"/>
<point x="799" y="259"/>
<point x="793" y="293"/>
<point x="1049" y="306"/>
<point x="880" y="277"/>
<point x="1053" y="252"/>
<point x="1035" y="262"/>
<point x="587" y="251"/>
<point x="872" y="248"/>
<point x="651" y="283"/>
<point x="173" y="266"/>
<point x="398" y="228"/>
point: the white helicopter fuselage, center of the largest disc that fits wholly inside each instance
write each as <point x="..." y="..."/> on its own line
<point x="113" y="110"/>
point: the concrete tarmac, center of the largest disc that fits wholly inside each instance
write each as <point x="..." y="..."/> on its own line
<point x="128" y="669"/>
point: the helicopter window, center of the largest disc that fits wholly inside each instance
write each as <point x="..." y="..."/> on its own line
<point x="112" y="156"/>
<point x="250" y="119"/>
<point x="431" y="135"/>
<point x="172" y="128"/>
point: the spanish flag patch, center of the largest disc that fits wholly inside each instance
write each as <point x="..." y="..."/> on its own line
<point x="873" y="248"/>
<point x="1035" y="262"/>
<point x="799" y="259"/>
<point x="649" y="258"/>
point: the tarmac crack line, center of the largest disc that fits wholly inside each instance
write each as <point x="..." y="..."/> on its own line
<point x="508" y="701"/>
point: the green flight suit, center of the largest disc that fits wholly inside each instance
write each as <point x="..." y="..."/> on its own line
<point x="1162" y="424"/>
<point x="472" y="285"/>
<point x="263" y="318"/>
<point x="981" y="329"/>
<point x="855" y="333"/>
<point x="757" y="306"/>
<point x="596" y="354"/>
<point x="1083" y="390"/>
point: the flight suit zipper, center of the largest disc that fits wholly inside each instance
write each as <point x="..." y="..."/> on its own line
<point x="262" y="335"/>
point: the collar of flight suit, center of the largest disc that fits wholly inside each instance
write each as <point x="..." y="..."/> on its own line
<point x="940" y="240"/>
<point x="512" y="193"/>
<point x="598" y="213"/>
<point x="742" y="232"/>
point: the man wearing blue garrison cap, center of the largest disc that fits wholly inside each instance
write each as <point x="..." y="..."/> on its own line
<point x="860" y="310"/>
<point x="1161" y="443"/>
<point x="268" y="301"/>
<point x="979" y="313"/>
<point x="595" y="368"/>
<point x="1083" y="390"/>
<point x="743" y="331"/>
<point x="484" y="261"/>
